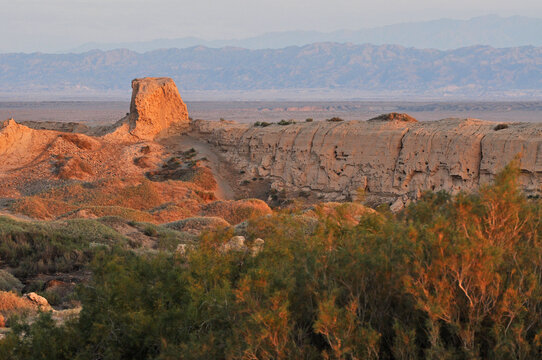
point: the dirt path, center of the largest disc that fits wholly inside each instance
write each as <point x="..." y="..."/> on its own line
<point x="223" y="174"/>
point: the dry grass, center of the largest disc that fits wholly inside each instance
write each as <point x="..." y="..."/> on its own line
<point x="197" y="224"/>
<point x="173" y="211"/>
<point x="11" y="304"/>
<point x="183" y="188"/>
<point x="73" y="169"/>
<point x="137" y="200"/>
<point x="81" y="141"/>
<point x="40" y="208"/>
<point x="8" y="282"/>
<point x="203" y="177"/>
<point x="122" y="212"/>
<point x="346" y="213"/>
<point x="235" y="212"/>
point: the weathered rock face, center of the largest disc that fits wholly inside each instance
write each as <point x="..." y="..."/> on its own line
<point x="20" y="144"/>
<point x="391" y="158"/>
<point x="156" y="108"/>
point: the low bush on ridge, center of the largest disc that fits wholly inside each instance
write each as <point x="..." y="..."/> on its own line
<point x="449" y="278"/>
<point x="30" y="248"/>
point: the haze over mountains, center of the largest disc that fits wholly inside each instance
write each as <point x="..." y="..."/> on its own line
<point x="433" y="59"/>
<point x="480" y="71"/>
<point x="443" y="34"/>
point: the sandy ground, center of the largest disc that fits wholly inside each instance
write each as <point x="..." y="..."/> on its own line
<point x="99" y="113"/>
<point x="223" y="174"/>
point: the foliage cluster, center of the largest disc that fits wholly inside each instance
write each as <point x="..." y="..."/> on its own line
<point x="30" y="248"/>
<point x="262" y="124"/>
<point x="8" y="282"/>
<point x="449" y="278"/>
<point x="286" y="122"/>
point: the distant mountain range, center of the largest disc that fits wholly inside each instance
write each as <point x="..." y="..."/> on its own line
<point x="387" y="69"/>
<point x="443" y="34"/>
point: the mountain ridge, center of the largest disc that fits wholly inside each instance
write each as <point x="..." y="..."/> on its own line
<point x="442" y="34"/>
<point x="472" y="71"/>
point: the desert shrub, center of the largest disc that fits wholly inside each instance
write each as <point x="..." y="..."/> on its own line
<point x="11" y="304"/>
<point x="35" y="247"/>
<point x="145" y="149"/>
<point x="8" y="282"/>
<point x="206" y="196"/>
<point x="81" y="141"/>
<point x="150" y="230"/>
<point x="141" y="196"/>
<point x="119" y="211"/>
<point x="167" y="237"/>
<point x="309" y="120"/>
<point x="190" y="153"/>
<point x="235" y="212"/>
<point x="500" y="127"/>
<point x="58" y="295"/>
<point x="42" y="340"/>
<point x="335" y="119"/>
<point x="204" y="178"/>
<point x="286" y="122"/>
<point x="169" y="240"/>
<point x="449" y="278"/>
<point x="197" y="224"/>
<point x="101" y="198"/>
<point x="73" y="169"/>
<point x="261" y="124"/>
<point x="31" y="206"/>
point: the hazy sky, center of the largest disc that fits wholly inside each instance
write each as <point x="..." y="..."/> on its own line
<point x="56" y="25"/>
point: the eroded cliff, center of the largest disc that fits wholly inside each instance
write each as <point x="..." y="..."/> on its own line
<point x="391" y="159"/>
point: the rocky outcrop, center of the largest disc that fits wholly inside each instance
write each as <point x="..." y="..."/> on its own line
<point x="156" y="108"/>
<point x="390" y="159"/>
<point x="39" y="301"/>
<point x="20" y="144"/>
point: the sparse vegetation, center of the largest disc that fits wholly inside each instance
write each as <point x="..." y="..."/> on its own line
<point x="81" y="141"/>
<point x="448" y="278"/>
<point x="235" y="212"/>
<point x="45" y="247"/>
<point x="261" y="124"/>
<point x="8" y="282"/>
<point x="286" y="122"/>
<point x="12" y="304"/>
<point x="500" y="127"/>
<point x="335" y="119"/>
<point x="150" y="230"/>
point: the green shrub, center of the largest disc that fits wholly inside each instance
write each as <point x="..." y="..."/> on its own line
<point x="150" y="230"/>
<point x="449" y="278"/>
<point x="8" y="282"/>
<point x="261" y="124"/>
<point x="286" y="122"/>
<point x="47" y="247"/>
